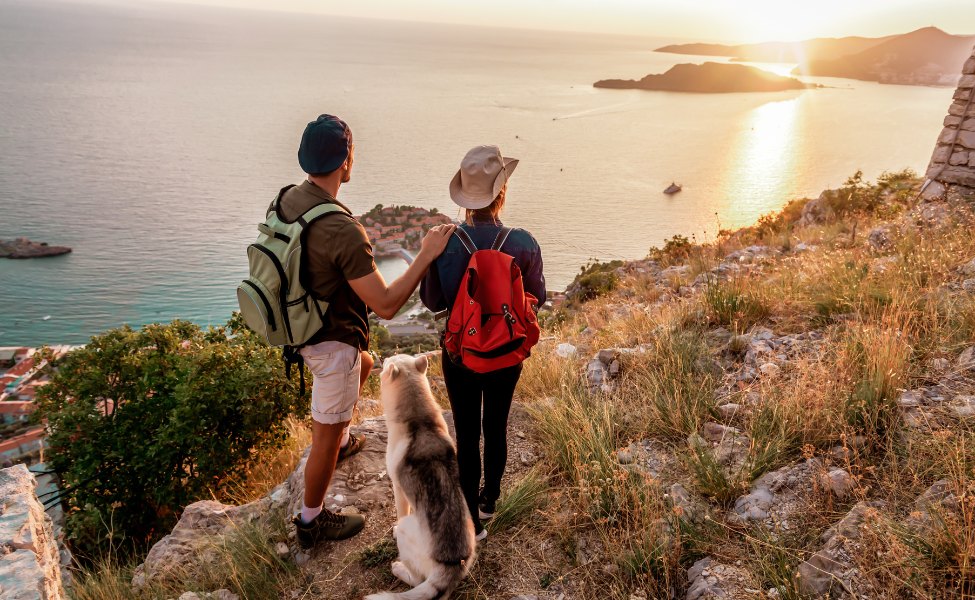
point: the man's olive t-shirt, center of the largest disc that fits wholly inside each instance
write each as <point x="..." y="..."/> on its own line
<point x="336" y="251"/>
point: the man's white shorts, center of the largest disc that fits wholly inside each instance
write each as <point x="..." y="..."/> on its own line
<point x="335" y="389"/>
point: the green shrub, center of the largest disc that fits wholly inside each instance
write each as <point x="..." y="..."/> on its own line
<point x="594" y="279"/>
<point x="144" y="422"/>
<point x="676" y="250"/>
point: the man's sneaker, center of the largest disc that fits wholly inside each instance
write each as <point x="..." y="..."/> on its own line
<point x="356" y="442"/>
<point x="485" y="508"/>
<point x="327" y="526"/>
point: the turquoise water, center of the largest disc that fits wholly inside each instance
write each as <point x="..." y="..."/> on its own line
<point x="151" y="139"/>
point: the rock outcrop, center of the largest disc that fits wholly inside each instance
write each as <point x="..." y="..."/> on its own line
<point x="30" y="567"/>
<point x="833" y="569"/>
<point x="360" y="485"/>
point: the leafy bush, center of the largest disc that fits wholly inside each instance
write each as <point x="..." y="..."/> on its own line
<point x="676" y="250"/>
<point x="594" y="279"/>
<point x="143" y="423"/>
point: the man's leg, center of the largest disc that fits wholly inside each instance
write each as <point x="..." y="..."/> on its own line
<point x="320" y="466"/>
<point x="336" y="370"/>
<point x="366" y="367"/>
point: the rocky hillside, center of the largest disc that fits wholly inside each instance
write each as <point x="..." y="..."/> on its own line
<point x="787" y="412"/>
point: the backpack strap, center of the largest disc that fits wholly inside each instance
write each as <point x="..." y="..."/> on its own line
<point x="318" y="211"/>
<point x="276" y="204"/>
<point x="466" y="240"/>
<point x="501" y="239"/>
<point x="310" y="216"/>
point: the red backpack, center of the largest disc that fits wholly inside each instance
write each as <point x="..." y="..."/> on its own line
<point x="492" y="324"/>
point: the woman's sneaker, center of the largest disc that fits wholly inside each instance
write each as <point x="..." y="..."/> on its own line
<point x="485" y="508"/>
<point x="327" y="526"/>
<point x="480" y="535"/>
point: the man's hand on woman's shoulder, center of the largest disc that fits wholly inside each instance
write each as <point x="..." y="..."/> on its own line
<point x="435" y="241"/>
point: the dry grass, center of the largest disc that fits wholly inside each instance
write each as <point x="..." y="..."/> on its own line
<point x="244" y="562"/>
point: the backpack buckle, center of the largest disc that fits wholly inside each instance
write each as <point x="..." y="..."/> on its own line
<point x="471" y="331"/>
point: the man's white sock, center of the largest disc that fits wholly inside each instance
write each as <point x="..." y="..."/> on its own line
<point x="345" y="437"/>
<point x="308" y="514"/>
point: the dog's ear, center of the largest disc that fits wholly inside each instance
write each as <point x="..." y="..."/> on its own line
<point x="422" y="363"/>
<point x="393" y="371"/>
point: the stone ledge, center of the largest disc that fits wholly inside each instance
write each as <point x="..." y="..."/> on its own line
<point x="30" y="568"/>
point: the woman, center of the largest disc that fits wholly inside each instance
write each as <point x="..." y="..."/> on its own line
<point x="480" y="187"/>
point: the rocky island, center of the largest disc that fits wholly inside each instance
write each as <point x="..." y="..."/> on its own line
<point x="709" y="78"/>
<point x="24" y="248"/>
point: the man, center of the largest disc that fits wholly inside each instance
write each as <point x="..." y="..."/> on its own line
<point x="340" y="268"/>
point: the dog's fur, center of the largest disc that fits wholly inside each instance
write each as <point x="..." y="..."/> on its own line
<point x="434" y="531"/>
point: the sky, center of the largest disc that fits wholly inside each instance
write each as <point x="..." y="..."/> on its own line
<point x="719" y="20"/>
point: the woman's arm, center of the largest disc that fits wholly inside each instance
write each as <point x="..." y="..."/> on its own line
<point x="534" y="276"/>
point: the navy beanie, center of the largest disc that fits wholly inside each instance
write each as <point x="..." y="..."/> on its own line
<point x="325" y="145"/>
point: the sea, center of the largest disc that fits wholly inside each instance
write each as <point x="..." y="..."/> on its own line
<point x="150" y="138"/>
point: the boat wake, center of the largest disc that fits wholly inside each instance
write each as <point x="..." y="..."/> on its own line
<point x="602" y="110"/>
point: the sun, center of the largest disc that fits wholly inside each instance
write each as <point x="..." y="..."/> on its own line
<point x="783" y="20"/>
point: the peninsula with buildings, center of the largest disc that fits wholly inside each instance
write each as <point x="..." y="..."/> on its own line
<point x="398" y="230"/>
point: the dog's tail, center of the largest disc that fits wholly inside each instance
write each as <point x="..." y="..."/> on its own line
<point x="440" y="584"/>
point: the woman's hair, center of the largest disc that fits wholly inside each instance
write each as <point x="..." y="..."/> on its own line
<point x="489" y="212"/>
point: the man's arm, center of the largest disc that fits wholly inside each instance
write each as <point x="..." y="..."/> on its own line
<point x="386" y="300"/>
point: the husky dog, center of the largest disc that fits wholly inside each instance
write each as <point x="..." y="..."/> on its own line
<point x="434" y="532"/>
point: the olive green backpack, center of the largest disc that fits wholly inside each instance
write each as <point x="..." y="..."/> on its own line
<point x="275" y="300"/>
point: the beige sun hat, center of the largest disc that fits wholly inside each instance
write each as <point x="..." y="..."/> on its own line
<point x="482" y="174"/>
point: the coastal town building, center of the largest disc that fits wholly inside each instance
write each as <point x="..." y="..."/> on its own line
<point x="394" y="230"/>
<point x="22" y="374"/>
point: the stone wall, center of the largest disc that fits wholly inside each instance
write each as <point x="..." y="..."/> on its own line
<point x="953" y="162"/>
<point x="30" y="566"/>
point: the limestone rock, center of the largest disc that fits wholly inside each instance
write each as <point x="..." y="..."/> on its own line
<point x="729" y="411"/>
<point x="565" y="350"/>
<point x="880" y="238"/>
<point x="966" y="361"/>
<point x="833" y="567"/>
<point x="709" y="580"/>
<point x="818" y="211"/>
<point x="715" y="432"/>
<point x="30" y="565"/>
<point x="361" y="482"/>
<point x="777" y="496"/>
<point x="934" y="190"/>
<point x="840" y="482"/>
<point x="963" y="407"/>
<point x="689" y="507"/>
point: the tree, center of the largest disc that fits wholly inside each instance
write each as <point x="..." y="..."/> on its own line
<point x="142" y="423"/>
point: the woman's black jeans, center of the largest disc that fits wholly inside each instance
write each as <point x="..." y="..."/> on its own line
<point x="467" y="390"/>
